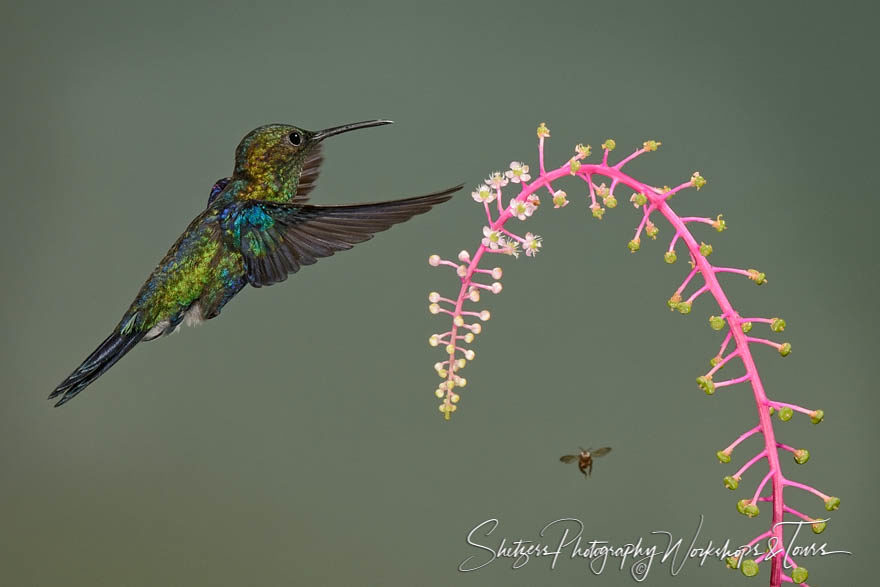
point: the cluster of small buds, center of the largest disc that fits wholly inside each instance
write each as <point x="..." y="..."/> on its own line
<point x="496" y="239"/>
<point x="648" y="200"/>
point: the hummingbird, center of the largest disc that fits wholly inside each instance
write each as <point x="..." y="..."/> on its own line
<point x="257" y="228"/>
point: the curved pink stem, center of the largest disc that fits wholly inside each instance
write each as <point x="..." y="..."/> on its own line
<point x="655" y="200"/>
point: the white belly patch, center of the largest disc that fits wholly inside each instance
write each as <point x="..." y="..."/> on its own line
<point x="192" y="317"/>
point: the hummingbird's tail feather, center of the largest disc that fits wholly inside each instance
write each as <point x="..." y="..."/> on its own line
<point x="105" y="356"/>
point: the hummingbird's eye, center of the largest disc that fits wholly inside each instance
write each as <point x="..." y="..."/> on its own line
<point x="295" y="138"/>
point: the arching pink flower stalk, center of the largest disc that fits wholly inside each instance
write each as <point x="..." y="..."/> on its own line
<point x="499" y="239"/>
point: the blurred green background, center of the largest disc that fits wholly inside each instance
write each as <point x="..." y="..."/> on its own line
<point x="297" y="439"/>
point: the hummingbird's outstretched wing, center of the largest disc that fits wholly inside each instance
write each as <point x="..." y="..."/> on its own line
<point x="276" y="239"/>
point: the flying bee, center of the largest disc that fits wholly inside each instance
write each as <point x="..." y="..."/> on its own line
<point x="585" y="458"/>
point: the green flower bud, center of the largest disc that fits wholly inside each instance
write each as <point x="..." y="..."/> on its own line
<point x="785" y="414"/>
<point x="633" y="245"/>
<point x="758" y="277"/>
<point x="723" y="457"/>
<point x="817" y="416"/>
<point x="598" y="211"/>
<point x="801" y="456"/>
<point x="610" y="201"/>
<point x="749" y="568"/>
<point x="697" y="180"/>
<point x="609" y="144"/>
<point x="683" y="307"/>
<point x="832" y="503"/>
<point x="731" y="482"/>
<point x="651" y="230"/>
<point x="732" y="562"/>
<point x="772" y="410"/>
<point x="716" y="322"/>
<point x="705" y="249"/>
<point x="799" y="575"/>
<point x="719" y="224"/>
<point x="746" y="327"/>
<point x="706" y="384"/>
<point x="670" y="257"/>
<point x="573" y="166"/>
<point x="818" y="527"/>
<point x="651" y="145"/>
<point x="778" y="325"/>
<point x="746" y="508"/>
<point x="785" y="349"/>
<point x="639" y="199"/>
<point x="714" y="361"/>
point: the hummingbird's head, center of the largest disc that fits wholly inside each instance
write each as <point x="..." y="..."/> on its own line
<point x="275" y="156"/>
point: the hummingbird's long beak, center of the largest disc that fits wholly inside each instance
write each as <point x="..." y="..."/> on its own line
<point x="336" y="130"/>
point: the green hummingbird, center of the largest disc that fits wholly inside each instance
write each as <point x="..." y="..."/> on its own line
<point x="258" y="227"/>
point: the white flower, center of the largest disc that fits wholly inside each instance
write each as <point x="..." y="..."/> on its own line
<point x="532" y="244"/>
<point x="518" y="172"/>
<point x="496" y="180"/>
<point x="521" y="210"/>
<point x="560" y="199"/>
<point x="493" y="238"/>
<point x="483" y="194"/>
